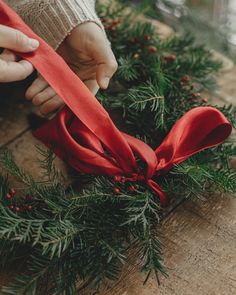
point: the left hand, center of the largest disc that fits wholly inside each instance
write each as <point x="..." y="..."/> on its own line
<point x="88" y="53"/>
<point x="11" y="67"/>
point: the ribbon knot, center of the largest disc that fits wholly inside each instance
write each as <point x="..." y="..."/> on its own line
<point x="82" y="132"/>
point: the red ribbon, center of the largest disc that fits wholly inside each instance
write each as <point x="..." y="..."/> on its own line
<point x="83" y="134"/>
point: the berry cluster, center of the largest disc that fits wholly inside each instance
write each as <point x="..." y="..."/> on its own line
<point x="111" y="25"/>
<point x="145" y="43"/>
<point x="187" y="84"/>
<point x="122" y="184"/>
<point x="18" y="205"/>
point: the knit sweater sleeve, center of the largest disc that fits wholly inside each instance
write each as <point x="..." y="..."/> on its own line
<point x="53" y="20"/>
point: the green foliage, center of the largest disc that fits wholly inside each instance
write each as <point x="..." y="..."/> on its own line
<point x="71" y="237"/>
<point x="162" y="66"/>
<point x="83" y="234"/>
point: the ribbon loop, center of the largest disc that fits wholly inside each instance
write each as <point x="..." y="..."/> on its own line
<point x="199" y="129"/>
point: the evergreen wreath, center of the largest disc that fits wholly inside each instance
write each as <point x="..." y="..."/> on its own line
<point x="63" y="236"/>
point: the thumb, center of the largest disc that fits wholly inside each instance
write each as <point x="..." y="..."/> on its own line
<point x="92" y="86"/>
<point x="16" y="40"/>
<point x="106" y="63"/>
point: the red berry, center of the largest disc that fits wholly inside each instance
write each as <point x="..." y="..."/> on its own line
<point x="204" y="100"/>
<point x="131" y="189"/>
<point x="147" y="37"/>
<point x="113" y="28"/>
<point x="11" y="207"/>
<point x="134" y="40"/>
<point x="8" y="196"/>
<point x="116" y="21"/>
<point x="172" y="57"/>
<point x="29" y="208"/>
<point x="18" y="209"/>
<point x="164" y="62"/>
<point x="117" y="178"/>
<point x="116" y="190"/>
<point x="186" y="78"/>
<point x="12" y="192"/>
<point x="153" y="49"/>
<point x="104" y="20"/>
<point x="28" y="198"/>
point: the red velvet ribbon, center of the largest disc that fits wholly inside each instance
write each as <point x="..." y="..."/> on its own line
<point x="83" y="134"/>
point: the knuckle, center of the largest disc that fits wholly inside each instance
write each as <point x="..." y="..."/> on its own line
<point x="49" y="92"/>
<point x="43" y="110"/>
<point x="113" y="65"/>
<point x="29" y="94"/>
<point x="20" y="39"/>
<point x="23" y="75"/>
<point x="37" y="100"/>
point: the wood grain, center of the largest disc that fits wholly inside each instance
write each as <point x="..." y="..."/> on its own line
<point x="200" y="244"/>
<point x="13" y="111"/>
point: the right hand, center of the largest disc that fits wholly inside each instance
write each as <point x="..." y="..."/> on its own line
<point x="11" y="68"/>
<point x="88" y="53"/>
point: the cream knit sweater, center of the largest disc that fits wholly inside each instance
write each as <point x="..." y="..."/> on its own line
<point x="53" y="20"/>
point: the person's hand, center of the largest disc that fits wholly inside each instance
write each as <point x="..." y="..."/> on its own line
<point x="11" y="68"/>
<point x="89" y="54"/>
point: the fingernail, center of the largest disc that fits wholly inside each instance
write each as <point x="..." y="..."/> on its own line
<point x="34" y="43"/>
<point x="105" y="82"/>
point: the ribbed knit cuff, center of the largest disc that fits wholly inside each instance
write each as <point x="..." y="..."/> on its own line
<point x="53" y="20"/>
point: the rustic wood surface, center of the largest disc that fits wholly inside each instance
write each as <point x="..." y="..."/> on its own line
<point x="199" y="240"/>
<point x="13" y="112"/>
<point x="199" y="237"/>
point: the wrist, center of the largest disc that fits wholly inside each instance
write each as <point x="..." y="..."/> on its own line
<point x="54" y="20"/>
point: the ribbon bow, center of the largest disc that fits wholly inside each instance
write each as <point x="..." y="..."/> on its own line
<point x="83" y="134"/>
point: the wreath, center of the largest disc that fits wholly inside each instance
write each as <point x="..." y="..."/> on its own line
<point x="62" y="235"/>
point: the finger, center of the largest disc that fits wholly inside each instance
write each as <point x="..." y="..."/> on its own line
<point x="8" y="55"/>
<point x="15" y="71"/>
<point x="51" y="105"/>
<point x="16" y="40"/>
<point x="88" y="76"/>
<point x="43" y="96"/>
<point x="92" y="86"/>
<point x="84" y="73"/>
<point x="106" y="63"/>
<point x="36" y="87"/>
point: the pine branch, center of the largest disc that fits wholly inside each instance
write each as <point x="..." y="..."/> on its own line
<point x="47" y="165"/>
<point x="127" y="69"/>
<point x="16" y="228"/>
<point x="6" y="159"/>
<point x="38" y="267"/>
